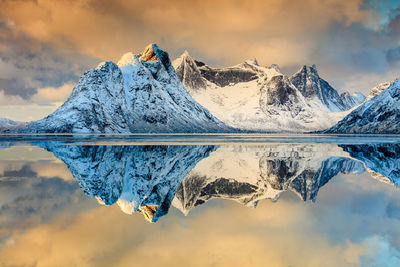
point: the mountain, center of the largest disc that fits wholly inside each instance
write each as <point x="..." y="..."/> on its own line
<point x="9" y="125"/>
<point x="312" y="86"/>
<point x="140" y="94"/>
<point x="379" y="115"/>
<point x="138" y="178"/>
<point x="353" y="100"/>
<point x="252" y="97"/>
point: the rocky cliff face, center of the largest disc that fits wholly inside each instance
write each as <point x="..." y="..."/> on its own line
<point x="140" y="94"/>
<point x="380" y="114"/>
<point x="312" y="86"/>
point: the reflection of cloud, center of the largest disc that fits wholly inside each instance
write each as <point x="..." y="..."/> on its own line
<point x="330" y="232"/>
<point x="32" y="193"/>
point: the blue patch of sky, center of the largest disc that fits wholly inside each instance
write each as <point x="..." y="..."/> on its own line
<point x="386" y="9"/>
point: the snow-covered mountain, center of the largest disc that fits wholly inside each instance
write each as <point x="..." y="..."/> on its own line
<point x="313" y="87"/>
<point x="140" y="94"/>
<point x="9" y="125"/>
<point x="379" y="115"/>
<point x="252" y="97"/>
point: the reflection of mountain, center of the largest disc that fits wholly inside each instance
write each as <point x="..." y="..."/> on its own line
<point x="151" y="178"/>
<point x="248" y="174"/>
<point x="143" y="178"/>
<point x="382" y="160"/>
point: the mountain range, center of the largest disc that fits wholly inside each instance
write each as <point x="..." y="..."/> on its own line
<point x="253" y="97"/>
<point x="146" y="93"/>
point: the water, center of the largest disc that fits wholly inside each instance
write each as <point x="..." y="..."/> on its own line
<point x="200" y="200"/>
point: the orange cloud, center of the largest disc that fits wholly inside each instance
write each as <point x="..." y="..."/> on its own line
<point x="223" y="30"/>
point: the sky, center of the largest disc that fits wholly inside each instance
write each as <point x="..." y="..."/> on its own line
<point x="46" y="45"/>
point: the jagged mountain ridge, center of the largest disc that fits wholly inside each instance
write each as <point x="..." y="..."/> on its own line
<point x="237" y="96"/>
<point x="311" y="85"/>
<point x="140" y="94"/>
<point x="378" y="115"/>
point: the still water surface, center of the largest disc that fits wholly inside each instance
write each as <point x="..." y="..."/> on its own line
<point x="236" y="200"/>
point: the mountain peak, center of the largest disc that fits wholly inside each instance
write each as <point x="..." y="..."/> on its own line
<point x="185" y="53"/>
<point x="252" y="61"/>
<point x="145" y="98"/>
<point x="311" y="85"/>
<point x="275" y="67"/>
<point x="308" y="69"/>
<point x="153" y="52"/>
<point x="127" y="59"/>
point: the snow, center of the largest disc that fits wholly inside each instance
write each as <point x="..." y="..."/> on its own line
<point x="245" y="104"/>
<point x="7" y="125"/>
<point x="135" y="96"/>
<point x="379" y="114"/>
<point x="238" y="105"/>
<point x="134" y="177"/>
<point x="151" y="178"/>
<point x="248" y="174"/>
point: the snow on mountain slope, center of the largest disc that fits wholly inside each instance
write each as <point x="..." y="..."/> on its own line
<point x="243" y="97"/>
<point x="380" y="114"/>
<point x="247" y="174"/>
<point x="379" y="89"/>
<point x="141" y="94"/>
<point x="9" y="125"/>
<point x="353" y="100"/>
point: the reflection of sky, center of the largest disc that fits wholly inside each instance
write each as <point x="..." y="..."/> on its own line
<point x="45" y="219"/>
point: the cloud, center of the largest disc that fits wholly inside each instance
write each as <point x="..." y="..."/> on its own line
<point x="43" y="102"/>
<point x="27" y="64"/>
<point x="53" y="95"/>
<point x="222" y="233"/>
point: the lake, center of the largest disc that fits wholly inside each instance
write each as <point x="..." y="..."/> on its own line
<point x="200" y="200"/>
